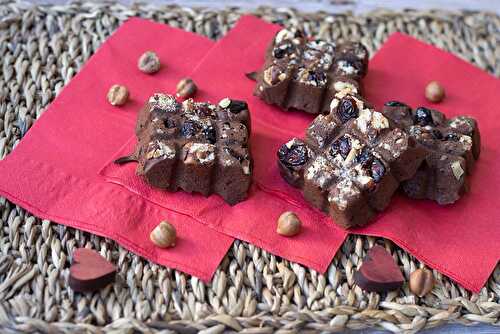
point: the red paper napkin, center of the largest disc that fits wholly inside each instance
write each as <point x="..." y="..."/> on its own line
<point x="53" y="172"/>
<point x="459" y="240"/>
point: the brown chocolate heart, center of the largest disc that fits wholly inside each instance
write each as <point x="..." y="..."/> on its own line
<point x="90" y="271"/>
<point x="379" y="272"/>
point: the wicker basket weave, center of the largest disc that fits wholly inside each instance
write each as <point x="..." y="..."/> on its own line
<point x="41" y="48"/>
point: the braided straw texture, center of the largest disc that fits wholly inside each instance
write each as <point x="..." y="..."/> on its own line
<point x="41" y="49"/>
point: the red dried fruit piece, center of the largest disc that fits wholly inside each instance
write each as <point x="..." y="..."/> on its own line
<point x="379" y="272"/>
<point x="293" y="156"/>
<point x="347" y="109"/>
<point x="423" y="117"/>
<point x="342" y="146"/>
<point x="90" y="271"/>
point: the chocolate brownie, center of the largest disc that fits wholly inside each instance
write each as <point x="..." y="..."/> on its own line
<point x="305" y="74"/>
<point x="452" y="145"/>
<point x="195" y="146"/>
<point x="350" y="162"/>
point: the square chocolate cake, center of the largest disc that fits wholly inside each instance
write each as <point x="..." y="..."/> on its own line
<point x="452" y="147"/>
<point x="305" y="74"/>
<point x="195" y="146"/>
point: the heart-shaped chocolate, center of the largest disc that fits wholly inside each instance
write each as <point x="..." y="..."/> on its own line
<point x="379" y="272"/>
<point x="90" y="271"/>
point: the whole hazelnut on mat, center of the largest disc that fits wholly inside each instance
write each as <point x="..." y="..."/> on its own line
<point x="118" y="95"/>
<point x="163" y="235"/>
<point x="434" y="92"/>
<point x="186" y="88"/>
<point x="288" y="224"/>
<point x="421" y="282"/>
<point x="149" y="62"/>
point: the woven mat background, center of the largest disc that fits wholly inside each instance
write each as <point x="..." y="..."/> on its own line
<point x="40" y="51"/>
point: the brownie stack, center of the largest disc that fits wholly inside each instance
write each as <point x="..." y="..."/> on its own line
<point x="195" y="146"/>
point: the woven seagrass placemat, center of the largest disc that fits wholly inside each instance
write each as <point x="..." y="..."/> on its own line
<point x="41" y="48"/>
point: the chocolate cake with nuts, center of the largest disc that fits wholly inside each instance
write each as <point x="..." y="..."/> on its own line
<point x="452" y="146"/>
<point x="306" y="74"/>
<point x="195" y="146"/>
<point x="350" y="162"/>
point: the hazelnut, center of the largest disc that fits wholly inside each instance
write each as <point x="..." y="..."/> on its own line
<point x="163" y="235"/>
<point x="421" y="282"/>
<point x="149" y="62"/>
<point x="434" y="92"/>
<point x="186" y="88"/>
<point x="118" y="95"/>
<point x="288" y="224"/>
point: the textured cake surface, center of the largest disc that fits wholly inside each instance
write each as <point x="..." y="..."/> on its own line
<point x="351" y="161"/>
<point x="195" y="146"/>
<point x="305" y="74"/>
<point x="452" y="147"/>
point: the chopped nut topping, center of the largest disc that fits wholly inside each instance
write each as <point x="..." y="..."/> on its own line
<point x="162" y="101"/>
<point x="200" y="152"/>
<point x="225" y="102"/>
<point x="158" y="149"/>
<point x="457" y="169"/>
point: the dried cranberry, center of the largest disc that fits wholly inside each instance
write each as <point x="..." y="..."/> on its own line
<point x="377" y="170"/>
<point x="189" y="129"/>
<point x="169" y="123"/>
<point x="294" y="156"/>
<point x="320" y="76"/>
<point x="312" y="76"/>
<point x="364" y="158"/>
<point x="203" y="109"/>
<point x="347" y="109"/>
<point x="298" y="33"/>
<point x="210" y="135"/>
<point x="279" y="53"/>
<point x="236" y="106"/>
<point x="342" y="146"/>
<point x="452" y="136"/>
<point x="395" y="104"/>
<point x="423" y="116"/>
<point x="437" y="134"/>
